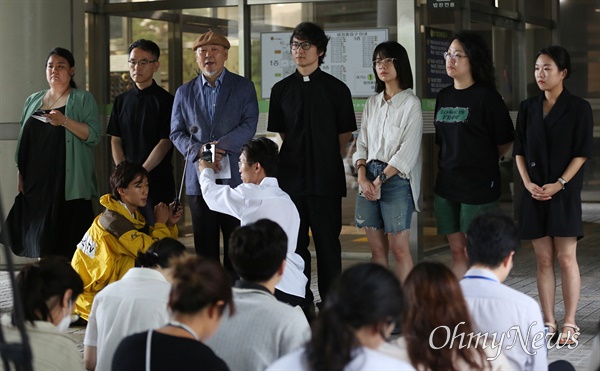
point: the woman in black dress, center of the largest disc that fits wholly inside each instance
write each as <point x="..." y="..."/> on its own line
<point x="201" y="291"/>
<point x="553" y="141"/>
<point x="56" y="180"/>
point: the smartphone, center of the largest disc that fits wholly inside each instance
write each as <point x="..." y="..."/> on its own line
<point x="360" y="192"/>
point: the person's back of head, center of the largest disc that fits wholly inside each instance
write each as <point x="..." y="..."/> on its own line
<point x="307" y="31"/>
<point x="434" y="302"/>
<point x="45" y="285"/>
<point x="365" y="295"/>
<point x="161" y="253"/>
<point x="491" y="238"/>
<point x="125" y="173"/>
<point x="264" y="151"/>
<point x="257" y="250"/>
<point x="198" y="283"/>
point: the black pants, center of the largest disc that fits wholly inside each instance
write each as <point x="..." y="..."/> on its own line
<point x="207" y="225"/>
<point x="323" y="215"/>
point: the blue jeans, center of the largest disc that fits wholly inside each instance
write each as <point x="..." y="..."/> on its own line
<point x="393" y="211"/>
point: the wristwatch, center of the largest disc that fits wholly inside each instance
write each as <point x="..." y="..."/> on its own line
<point x="382" y="177"/>
<point x="562" y="182"/>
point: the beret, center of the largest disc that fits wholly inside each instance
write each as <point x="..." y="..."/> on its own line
<point x="211" y="38"/>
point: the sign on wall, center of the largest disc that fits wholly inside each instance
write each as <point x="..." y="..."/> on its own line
<point x="436" y="43"/>
<point x="349" y="56"/>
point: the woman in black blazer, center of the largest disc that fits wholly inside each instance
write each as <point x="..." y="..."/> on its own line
<point x="552" y="142"/>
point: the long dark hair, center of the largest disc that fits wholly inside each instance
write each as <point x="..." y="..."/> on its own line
<point x="365" y="294"/>
<point x="62" y="52"/>
<point x="433" y="298"/>
<point x="392" y="49"/>
<point x="38" y="283"/>
<point x="480" y="58"/>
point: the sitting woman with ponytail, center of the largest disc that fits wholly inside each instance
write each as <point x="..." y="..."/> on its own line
<point x="200" y="293"/>
<point x="47" y="289"/>
<point x="359" y="315"/>
<point x="137" y="302"/>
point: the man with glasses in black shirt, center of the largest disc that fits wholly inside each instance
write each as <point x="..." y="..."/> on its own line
<point x="140" y="124"/>
<point x="313" y="113"/>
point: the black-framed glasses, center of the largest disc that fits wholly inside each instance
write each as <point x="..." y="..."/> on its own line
<point x="455" y="57"/>
<point x="141" y="62"/>
<point x="383" y="62"/>
<point x="305" y="45"/>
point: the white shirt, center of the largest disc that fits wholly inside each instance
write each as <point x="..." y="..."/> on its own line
<point x="136" y="303"/>
<point x="251" y="202"/>
<point x="391" y="132"/>
<point x="497" y="308"/>
<point x="364" y="359"/>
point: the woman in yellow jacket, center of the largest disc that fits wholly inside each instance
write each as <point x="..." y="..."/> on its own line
<point x="109" y="247"/>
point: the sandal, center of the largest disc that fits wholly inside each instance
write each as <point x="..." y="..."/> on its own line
<point x="569" y="337"/>
<point x="551" y="330"/>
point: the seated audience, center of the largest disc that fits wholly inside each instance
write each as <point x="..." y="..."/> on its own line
<point x="109" y="247"/>
<point x="262" y="329"/>
<point x="137" y="302"/>
<point x="358" y="316"/>
<point x="47" y="289"/>
<point x="427" y="330"/>
<point x="259" y="197"/>
<point x="492" y="241"/>
<point x="200" y="293"/>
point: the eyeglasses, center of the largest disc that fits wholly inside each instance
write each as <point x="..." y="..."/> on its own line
<point x="141" y="62"/>
<point x="383" y="62"/>
<point x="455" y="57"/>
<point x="305" y="45"/>
<point x="212" y="49"/>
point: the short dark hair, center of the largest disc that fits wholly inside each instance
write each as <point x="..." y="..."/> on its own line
<point x="161" y="253"/>
<point x="264" y="151"/>
<point x="40" y="281"/>
<point x="480" y="57"/>
<point x="256" y="250"/>
<point x="125" y="173"/>
<point x="66" y="54"/>
<point x="197" y="283"/>
<point x="146" y="45"/>
<point x="491" y="237"/>
<point x="392" y="49"/>
<point x="560" y="56"/>
<point x="313" y="33"/>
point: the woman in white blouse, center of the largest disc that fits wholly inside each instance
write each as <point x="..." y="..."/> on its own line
<point x="388" y="159"/>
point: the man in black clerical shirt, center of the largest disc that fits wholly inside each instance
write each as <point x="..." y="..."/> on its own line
<point x="313" y="113"/>
<point x="140" y="124"/>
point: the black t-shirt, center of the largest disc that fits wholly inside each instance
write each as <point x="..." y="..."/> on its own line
<point x="141" y="118"/>
<point x="311" y="111"/>
<point x="167" y="353"/>
<point x="469" y="125"/>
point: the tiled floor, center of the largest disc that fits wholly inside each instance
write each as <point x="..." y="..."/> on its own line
<point x="521" y="278"/>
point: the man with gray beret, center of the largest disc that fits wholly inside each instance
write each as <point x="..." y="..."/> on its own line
<point x="217" y="107"/>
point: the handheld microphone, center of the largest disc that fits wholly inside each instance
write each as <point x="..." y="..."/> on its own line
<point x="193" y="130"/>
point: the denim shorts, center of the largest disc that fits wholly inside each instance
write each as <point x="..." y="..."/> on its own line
<point x="393" y="211"/>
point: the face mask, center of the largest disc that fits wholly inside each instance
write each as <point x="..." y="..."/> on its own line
<point x="64" y="324"/>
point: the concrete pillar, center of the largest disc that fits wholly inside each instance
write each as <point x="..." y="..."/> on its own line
<point x="29" y="29"/>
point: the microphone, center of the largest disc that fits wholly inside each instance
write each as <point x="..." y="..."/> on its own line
<point x="193" y="130"/>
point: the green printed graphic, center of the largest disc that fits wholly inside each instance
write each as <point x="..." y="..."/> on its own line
<point x="452" y="114"/>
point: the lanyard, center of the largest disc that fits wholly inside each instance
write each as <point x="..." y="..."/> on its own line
<point x="480" y="278"/>
<point x="185" y="327"/>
